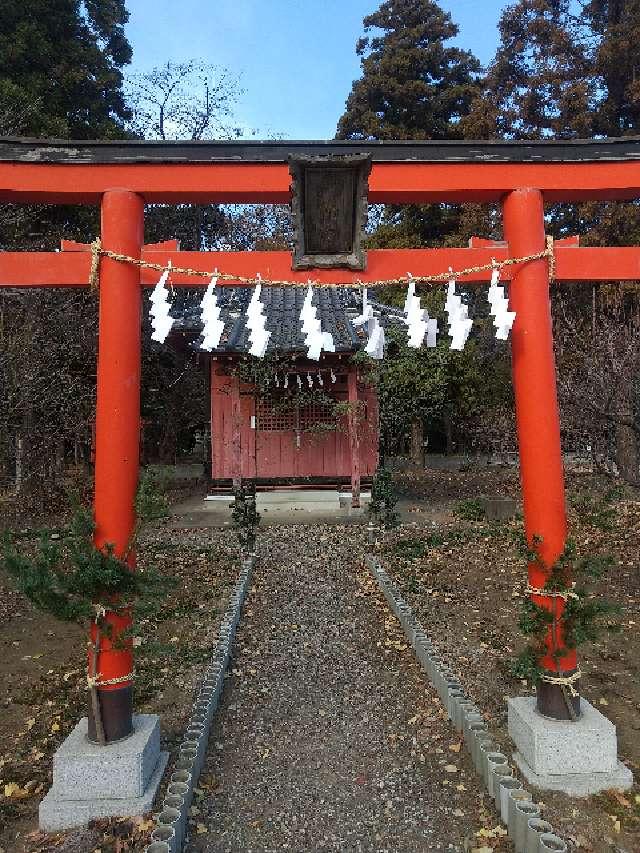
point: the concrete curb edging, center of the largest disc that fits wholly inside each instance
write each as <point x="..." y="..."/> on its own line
<point x="528" y="832"/>
<point x="171" y="829"/>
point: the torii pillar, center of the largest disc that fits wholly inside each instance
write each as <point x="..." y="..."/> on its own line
<point x="562" y="742"/>
<point x="112" y="764"/>
<point x="118" y="440"/>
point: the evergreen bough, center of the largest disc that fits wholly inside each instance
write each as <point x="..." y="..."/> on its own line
<point x="244" y="516"/>
<point x="383" y="500"/>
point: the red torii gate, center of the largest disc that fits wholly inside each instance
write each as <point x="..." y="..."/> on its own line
<point x="123" y="176"/>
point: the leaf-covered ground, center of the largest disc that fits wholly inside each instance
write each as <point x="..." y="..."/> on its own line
<point x="465" y="580"/>
<point x="329" y="737"/>
<point x="42" y="680"/>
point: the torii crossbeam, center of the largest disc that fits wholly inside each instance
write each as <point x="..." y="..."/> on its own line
<point x="123" y="176"/>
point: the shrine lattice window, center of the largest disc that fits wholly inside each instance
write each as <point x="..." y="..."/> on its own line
<point x="274" y="415"/>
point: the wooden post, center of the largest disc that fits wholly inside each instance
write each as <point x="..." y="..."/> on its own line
<point x="236" y="440"/>
<point x="117" y="443"/>
<point x="354" y="439"/>
<point x="538" y="425"/>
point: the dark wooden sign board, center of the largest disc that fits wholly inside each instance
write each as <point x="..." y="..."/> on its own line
<point x="329" y="206"/>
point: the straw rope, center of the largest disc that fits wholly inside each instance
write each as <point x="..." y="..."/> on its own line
<point x="97" y="252"/>
<point x="94" y="681"/>
<point x="563" y="681"/>
<point x="565" y="594"/>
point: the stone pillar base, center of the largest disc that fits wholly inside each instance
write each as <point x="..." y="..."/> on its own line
<point x="91" y="781"/>
<point x="579" y="758"/>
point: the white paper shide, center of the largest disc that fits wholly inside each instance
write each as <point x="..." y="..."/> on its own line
<point x="315" y="340"/>
<point x="161" y="321"/>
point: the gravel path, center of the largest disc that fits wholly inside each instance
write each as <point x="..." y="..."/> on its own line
<point x="328" y="736"/>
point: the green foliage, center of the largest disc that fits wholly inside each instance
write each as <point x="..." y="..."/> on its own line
<point x="244" y="515"/>
<point x="413" y="85"/>
<point x="410" y="549"/>
<point x="262" y="372"/>
<point x="470" y="510"/>
<point x="525" y="666"/>
<point x="383" y="500"/>
<point x="534" y="620"/>
<point x="64" y="576"/>
<point x="440" y="386"/>
<point x="583" y="617"/>
<point x="151" y="501"/>
<point x="539" y="84"/>
<point x="60" y="67"/>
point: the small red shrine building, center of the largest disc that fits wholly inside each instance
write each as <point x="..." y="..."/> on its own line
<point x="287" y="429"/>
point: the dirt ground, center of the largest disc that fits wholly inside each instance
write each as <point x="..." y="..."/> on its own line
<point x="465" y="585"/>
<point x="329" y="736"/>
<point x="465" y="580"/>
<point x="42" y="681"/>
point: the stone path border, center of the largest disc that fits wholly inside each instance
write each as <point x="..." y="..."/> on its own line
<point x="170" y="833"/>
<point x="513" y="803"/>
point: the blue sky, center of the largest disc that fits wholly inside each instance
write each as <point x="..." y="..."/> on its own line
<point x="296" y="58"/>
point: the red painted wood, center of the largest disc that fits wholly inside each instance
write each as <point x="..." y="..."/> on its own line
<point x="353" y="418"/>
<point x="482" y="242"/>
<point x="395" y="183"/>
<point x="220" y="386"/>
<point x="276" y="454"/>
<point x="247" y="436"/>
<point x="118" y="415"/>
<point x="537" y="415"/>
<point x="71" y="269"/>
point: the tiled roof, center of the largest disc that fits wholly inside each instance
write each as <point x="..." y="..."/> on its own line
<point x="337" y="306"/>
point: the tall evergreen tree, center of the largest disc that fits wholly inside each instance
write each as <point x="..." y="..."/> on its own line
<point x="540" y="83"/>
<point x="413" y="85"/>
<point x="61" y="67"/>
<point x="615" y="27"/>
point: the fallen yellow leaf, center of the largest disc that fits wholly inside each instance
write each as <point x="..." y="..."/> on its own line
<point x="15" y="792"/>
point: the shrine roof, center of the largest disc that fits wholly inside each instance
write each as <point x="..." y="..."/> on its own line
<point x="25" y="150"/>
<point x="337" y="307"/>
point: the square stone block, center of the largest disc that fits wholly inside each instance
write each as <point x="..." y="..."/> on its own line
<point x="557" y="747"/>
<point x="83" y="770"/>
<point x="57" y="814"/>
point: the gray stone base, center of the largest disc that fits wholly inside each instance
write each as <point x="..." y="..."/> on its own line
<point x="579" y="758"/>
<point x="57" y="814"/>
<point x="577" y="784"/>
<point x="91" y="781"/>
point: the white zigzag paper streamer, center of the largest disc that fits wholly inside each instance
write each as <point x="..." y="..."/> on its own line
<point x="375" y="344"/>
<point x="418" y="321"/>
<point x="459" y="322"/>
<point x="161" y="321"/>
<point x="315" y="339"/>
<point x="502" y="318"/>
<point x="367" y="310"/>
<point x="256" y="323"/>
<point x="210" y="315"/>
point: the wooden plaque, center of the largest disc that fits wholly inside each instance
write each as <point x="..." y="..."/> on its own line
<point x="329" y="205"/>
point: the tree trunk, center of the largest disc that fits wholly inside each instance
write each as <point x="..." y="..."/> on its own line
<point x="625" y="435"/>
<point x="417" y="442"/>
<point x="19" y="460"/>
<point x="627" y="450"/>
<point x="448" y="433"/>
